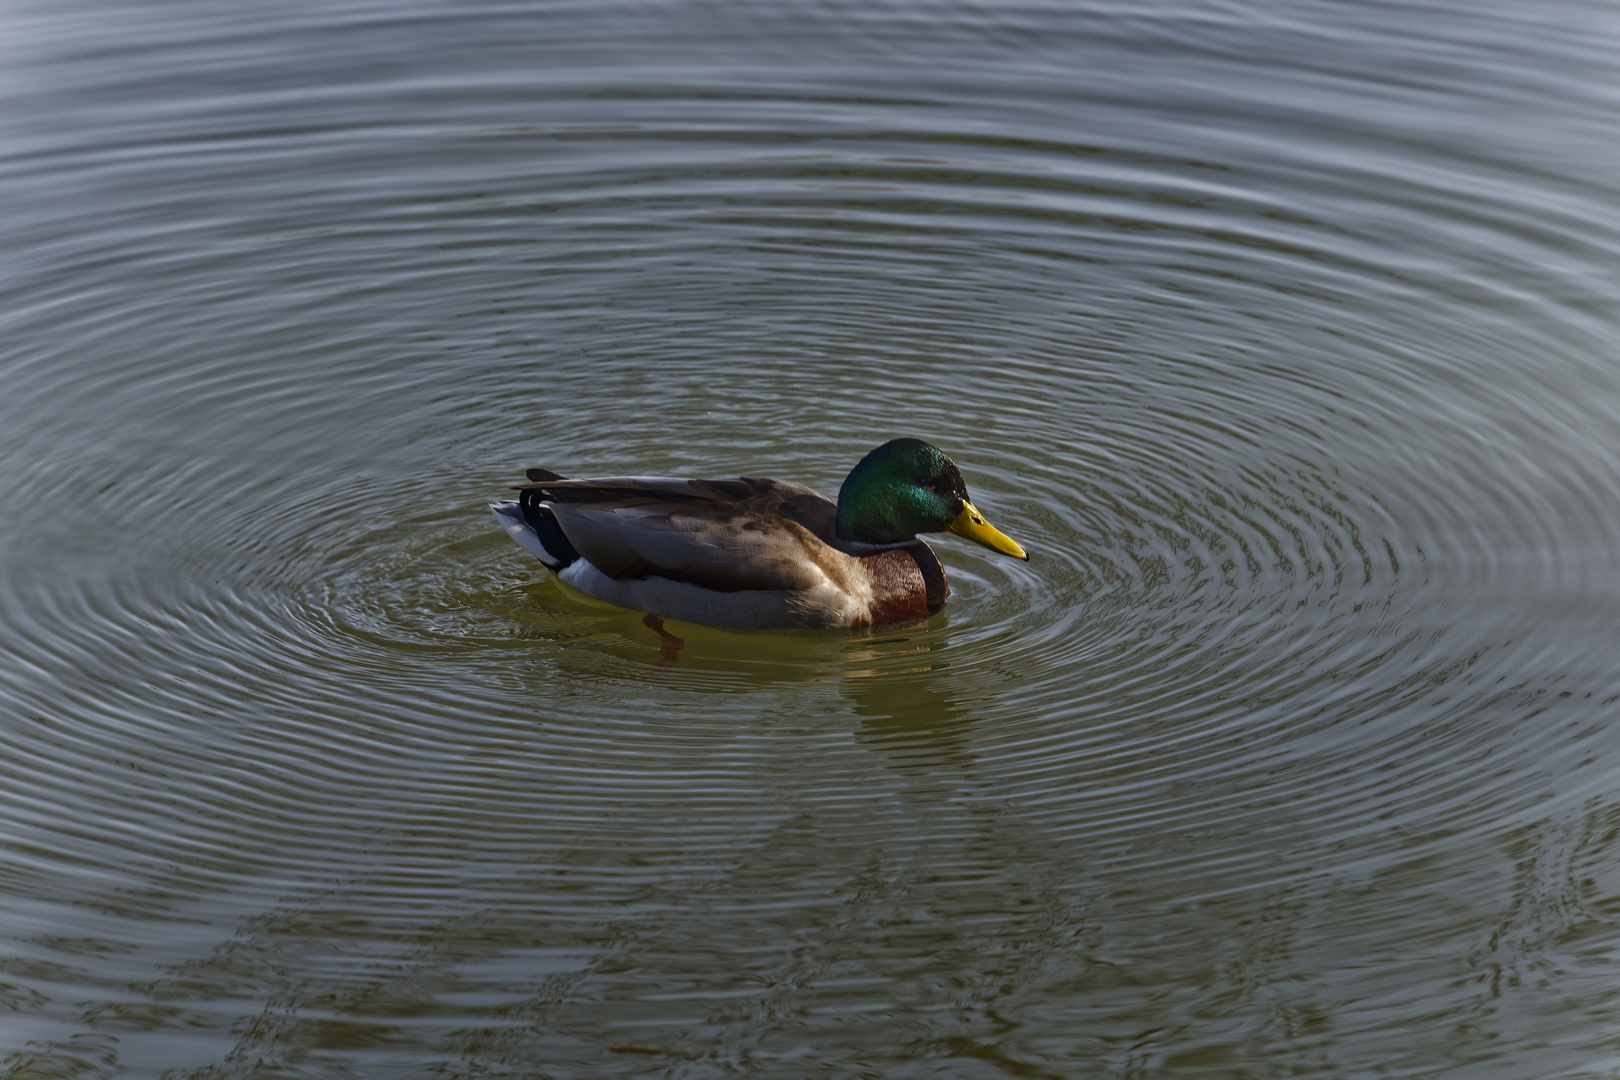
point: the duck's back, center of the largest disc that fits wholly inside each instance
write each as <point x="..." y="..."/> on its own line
<point x="728" y="535"/>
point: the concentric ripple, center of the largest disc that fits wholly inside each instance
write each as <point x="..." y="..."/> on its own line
<point x="1284" y="340"/>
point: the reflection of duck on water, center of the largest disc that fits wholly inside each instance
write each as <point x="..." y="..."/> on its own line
<point x="754" y="554"/>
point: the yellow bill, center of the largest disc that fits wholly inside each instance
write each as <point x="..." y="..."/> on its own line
<point x="971" y="524"/>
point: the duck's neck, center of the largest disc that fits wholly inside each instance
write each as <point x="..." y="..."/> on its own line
<point x="872" y="510"/>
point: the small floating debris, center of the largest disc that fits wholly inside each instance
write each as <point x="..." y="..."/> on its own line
<point x="639" y="1048"/>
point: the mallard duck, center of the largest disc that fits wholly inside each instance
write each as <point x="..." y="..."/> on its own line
<point x="753" y="554"/>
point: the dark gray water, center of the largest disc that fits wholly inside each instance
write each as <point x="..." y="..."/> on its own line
<point x="1285" y="335"/>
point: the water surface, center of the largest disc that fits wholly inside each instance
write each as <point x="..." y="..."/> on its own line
<point x="1284" y="336"/>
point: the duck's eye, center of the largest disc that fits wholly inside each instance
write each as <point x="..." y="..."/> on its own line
<point x="931" y="484"/>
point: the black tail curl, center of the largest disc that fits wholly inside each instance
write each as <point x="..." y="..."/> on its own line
<point x="539" y="517"/>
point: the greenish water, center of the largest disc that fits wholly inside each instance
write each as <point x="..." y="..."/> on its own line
<point x="1285" y="336"/>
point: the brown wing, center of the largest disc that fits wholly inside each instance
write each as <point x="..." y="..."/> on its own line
<point x="729" y="534"/>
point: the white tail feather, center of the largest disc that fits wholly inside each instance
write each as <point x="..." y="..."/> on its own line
<point x="510" y="515"/>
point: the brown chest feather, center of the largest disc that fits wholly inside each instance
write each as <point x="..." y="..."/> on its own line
<point x="907" y="583"/>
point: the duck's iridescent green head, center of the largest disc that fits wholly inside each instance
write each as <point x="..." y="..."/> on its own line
<point x="906" y="487"/>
